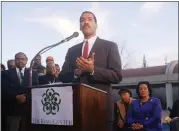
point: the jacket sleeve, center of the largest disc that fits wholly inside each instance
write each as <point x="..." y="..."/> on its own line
<point x="156" y="114"/>
<point x="67" y="73"/>
<point x="130" y="117"/>
<point x="8" y="92"/>
<point x="111" y="75"/>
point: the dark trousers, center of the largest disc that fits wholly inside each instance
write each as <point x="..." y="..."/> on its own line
<point x="3" y="122"/>
<point x="13" y="123"/>
<point x="16" y="123"/>
<point x="175" y="125"/>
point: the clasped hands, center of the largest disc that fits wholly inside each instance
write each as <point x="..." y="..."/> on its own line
<point x="136" y="126"/>
<point x="21" y="98"/>
<point x="84" y="65"/>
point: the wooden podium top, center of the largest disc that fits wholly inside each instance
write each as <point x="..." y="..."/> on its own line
<point x="59" y="84"/>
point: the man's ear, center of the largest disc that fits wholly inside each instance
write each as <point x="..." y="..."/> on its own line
<point x="80" y="27"/>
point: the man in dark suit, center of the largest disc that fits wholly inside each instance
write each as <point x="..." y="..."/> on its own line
<point x="95" y="61"/>
<point x="14" y="82"/>
<point x="38" y="65"/>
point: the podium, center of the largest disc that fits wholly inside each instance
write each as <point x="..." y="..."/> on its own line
<point x="89" y="109"/>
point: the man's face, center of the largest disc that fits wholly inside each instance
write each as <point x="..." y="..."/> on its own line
<point x="38" y="60"/>
<point x="20" y="60"/>
<point x="50" y="62"/>
<point x="57" y="68"/>
<point x="125" y="96"/>
<point x="51" y="69"/>
<point x="11" y="64"/>
<point x="87" y="24"/>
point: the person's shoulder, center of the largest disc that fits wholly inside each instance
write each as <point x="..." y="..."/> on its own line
<point x="119" y="102"/>
<point x="10" y="70"/>
<point x="42" y="67"/>
<point x="77" y="46"/>
<point x="104" y="41"/>
<point x="135" y="101"/>
<point x="155" y="100"/>
<point x="42" y="77"/>
<point x="4" y="73"/>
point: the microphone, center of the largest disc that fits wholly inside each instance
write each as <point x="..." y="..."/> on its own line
<point x="75" y="34"/>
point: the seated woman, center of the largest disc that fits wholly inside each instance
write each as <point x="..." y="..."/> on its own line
<point x="123" y="106"/>
<point x="146" y="112"/>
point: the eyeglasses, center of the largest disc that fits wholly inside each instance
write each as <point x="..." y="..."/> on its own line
<point x="18" y="59"/>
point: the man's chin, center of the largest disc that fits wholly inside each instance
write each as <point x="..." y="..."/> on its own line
<point x="87" y="33"/>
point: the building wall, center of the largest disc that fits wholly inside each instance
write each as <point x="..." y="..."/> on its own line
<point x="160" y="93"/>
<point x="175" y="92"/>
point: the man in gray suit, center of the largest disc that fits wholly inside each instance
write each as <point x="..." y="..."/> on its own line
<point x="95" y="61"/>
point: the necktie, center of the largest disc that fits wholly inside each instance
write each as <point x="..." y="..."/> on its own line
<point x="85" y="50"/>
<point x="21" y="76"/>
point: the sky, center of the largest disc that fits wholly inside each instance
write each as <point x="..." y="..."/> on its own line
<point x="139" y="28"/>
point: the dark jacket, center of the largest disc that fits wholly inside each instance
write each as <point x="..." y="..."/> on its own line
<point x="175" y="110"/>
<point x="148" y="114"/>
<point x="107" y="68"/>
<point x="107" y="65"/>
<point x="47" y="79"/>
<point x="11" y="88"/>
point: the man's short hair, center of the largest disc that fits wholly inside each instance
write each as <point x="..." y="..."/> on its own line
<point x="10" y="60"/>
<point x="95" y="19"/>
<point x="21" y="53"/>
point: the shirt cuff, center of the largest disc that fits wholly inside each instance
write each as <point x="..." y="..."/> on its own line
<point x="92" y="73"/>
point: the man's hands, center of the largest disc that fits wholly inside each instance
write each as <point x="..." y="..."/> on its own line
<point x="21" y="98"/>
<point x="136" y="126"/>
<point x="85" y="65"/>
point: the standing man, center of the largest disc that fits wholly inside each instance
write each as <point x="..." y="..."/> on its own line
<point x="14" y="82"/>
<point x="95" y="61"/>
<point x="38" y="65"/>
<point x="11" y="64"/>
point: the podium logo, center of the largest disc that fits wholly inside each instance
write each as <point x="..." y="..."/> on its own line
<point x="51" y="101"/>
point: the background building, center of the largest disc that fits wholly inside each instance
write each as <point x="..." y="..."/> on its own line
<point x="163" y="80"/>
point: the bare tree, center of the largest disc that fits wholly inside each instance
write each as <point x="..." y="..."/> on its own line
<point x="166" y="60"/>
<point x="125" y="55"/>
<point x="144" y="61"/>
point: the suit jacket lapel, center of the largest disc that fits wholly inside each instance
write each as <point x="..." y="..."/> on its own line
<point x="15" y="77"/>
<point x="79" y="53"/>
<point x="95" y="47"/>
<point x="26" y="77"/>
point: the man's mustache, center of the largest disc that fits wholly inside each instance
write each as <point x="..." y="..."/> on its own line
<point x="86" y="25"/>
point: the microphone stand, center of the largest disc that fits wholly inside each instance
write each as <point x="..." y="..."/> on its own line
<point x="39" y="53"/>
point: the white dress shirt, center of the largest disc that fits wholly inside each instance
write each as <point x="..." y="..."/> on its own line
<point x="91" y="42"/>
<point x="18" y="73"/>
